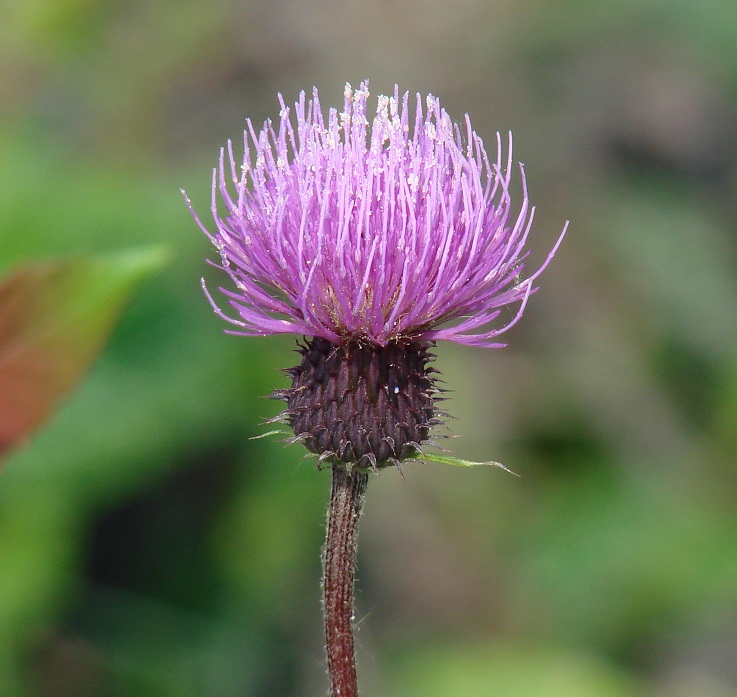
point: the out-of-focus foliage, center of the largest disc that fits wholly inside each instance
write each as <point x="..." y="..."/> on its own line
<point x="54" y="317"/>
<point x="149" y="547"/>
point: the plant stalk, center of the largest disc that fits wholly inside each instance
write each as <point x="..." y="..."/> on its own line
<point x="339" y="567"/>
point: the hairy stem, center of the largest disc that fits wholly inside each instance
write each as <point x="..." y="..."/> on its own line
<point x="339" y="566"/>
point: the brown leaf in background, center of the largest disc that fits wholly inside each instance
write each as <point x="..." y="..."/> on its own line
<point x="54" y="319"/>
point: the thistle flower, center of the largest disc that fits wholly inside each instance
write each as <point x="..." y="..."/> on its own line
<point x="375" y="238"/>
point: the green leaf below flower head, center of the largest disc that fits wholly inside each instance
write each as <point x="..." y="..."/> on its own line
<point x="458" y="462"/>
<point x="54" y="318"/>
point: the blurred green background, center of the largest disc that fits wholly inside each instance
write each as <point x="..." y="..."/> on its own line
<point x="148" y="547"/>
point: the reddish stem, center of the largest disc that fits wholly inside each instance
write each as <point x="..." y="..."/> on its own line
<point x="339" y="566"/>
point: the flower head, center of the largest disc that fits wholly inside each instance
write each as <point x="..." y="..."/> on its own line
<point x="395" y="228"/>
<point x="374" y="238"/>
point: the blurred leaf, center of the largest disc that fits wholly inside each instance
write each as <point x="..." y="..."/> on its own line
<point x="54" y="318"/>
<point x="477" y="670"/>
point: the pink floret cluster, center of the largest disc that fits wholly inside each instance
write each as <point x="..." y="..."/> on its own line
<point x="396" y="227"/>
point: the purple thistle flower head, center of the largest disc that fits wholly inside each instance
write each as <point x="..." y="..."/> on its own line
<point x="375" y="238"/>
<point x="371" y="230"/>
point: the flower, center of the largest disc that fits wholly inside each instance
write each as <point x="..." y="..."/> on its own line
<point x="377" y="232"/>
<point x="375" y="238"/>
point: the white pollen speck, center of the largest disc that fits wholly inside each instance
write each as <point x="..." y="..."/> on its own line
<point x="396" y="390"/>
